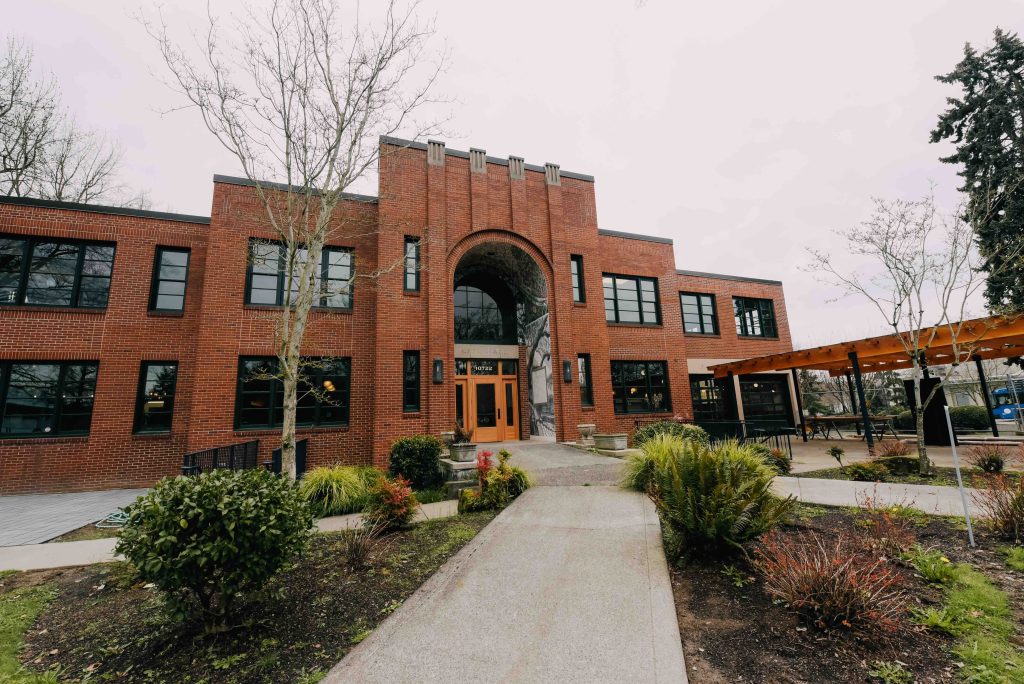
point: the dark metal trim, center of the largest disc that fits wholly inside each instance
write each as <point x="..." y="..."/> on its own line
<point x="720" y="276"/>
<point x="632" y="236"/>
<point x="103" y="209"/>
<point x="234" y="180"/>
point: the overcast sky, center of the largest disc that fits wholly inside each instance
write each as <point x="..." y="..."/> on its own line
<point x="744" y="131"/>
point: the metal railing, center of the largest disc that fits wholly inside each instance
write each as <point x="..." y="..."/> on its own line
<point x="301" y="446"/>
<point x="775" y="434"/>
<point x="241" y="456"/>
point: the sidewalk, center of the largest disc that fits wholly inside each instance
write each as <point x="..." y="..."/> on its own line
<point x="36" y="518"/>
<point x="927" y="498"/>
<point x="568" y="584"/>
<point x="62" y="554"/>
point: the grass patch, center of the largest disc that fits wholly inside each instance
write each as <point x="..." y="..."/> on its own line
<point x="18" y="610"/>
<point x="1015" y="558"/>
<point x="86" y="533"/>
<point x="807" y="512"/>
<point x="426" y="496"/>
<point x="944" y="477"/>
<point x="978" y="614"/>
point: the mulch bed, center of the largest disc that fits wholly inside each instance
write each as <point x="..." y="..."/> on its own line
<point x="104" y="624"/>
<point x="737" y="634"/>
<point x="944" y="477"/>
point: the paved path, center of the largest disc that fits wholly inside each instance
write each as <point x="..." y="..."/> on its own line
<point x="557" y="464"/>
<point x="36" y="518"/>
<point x="569" y="584"/>
<point x="927" y="498"/>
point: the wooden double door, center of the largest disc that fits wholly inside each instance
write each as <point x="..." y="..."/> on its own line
<point x="488" y="407"/>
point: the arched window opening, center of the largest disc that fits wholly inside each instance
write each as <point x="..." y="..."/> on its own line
<point x="480" y="318"/>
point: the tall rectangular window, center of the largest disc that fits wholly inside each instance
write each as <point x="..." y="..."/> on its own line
<point x="631" y="299"/>
<point x="754" y="317"/>
<point x="640" y="387"/>
<point x="410" y="381"/>
<point x="170" y="273"/>
<point x="46" y="399"/>
<point x="586" y="385"/>
<point x="273" y="275"/>
<point x="579" y="294"/>
<point x="709" y="396"/>
<point x="412" y="264"/>
<point x="699" y="317"/>
<point x="154" y="404"/>
<point x="323" y="393"/>
<point x="53" y="272"/>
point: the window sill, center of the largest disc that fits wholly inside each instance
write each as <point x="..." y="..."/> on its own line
<point x="245" y="432"/>
<point x="165" y="314"/>
<point x="312" y="309"/>
<point x="756" y="337"/>
<point x="412" y="414"/>
<point x="412" y="293"/>
<point x="587" y="409"/>
<point x="581" y="304"/>
<point x="634" y="325"/>
<point x="43" y="439"/>
<point x="693" y="334"/>
<point x="151" y="435"/>
<point x="631" y="414"/>
<point x="54" y="309"/>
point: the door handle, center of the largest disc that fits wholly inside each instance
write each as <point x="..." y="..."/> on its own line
<point x="499" y="414"/>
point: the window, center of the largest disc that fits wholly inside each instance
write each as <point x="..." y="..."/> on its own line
<point x="699" y="317"/>
<point x="579" y="294"/>
<point x="154" y="404"/>
<point x="629" y="299"/>
<point x="754" y="317"/>
<point x="765" y="400"/>
<point x="640" y="387"/>
<point x="170" y="272"/>
<point x="323" y="394"/>
<point x="478" y="318"/>
<point x="268" y="272"/>
<point x="46" y="399"/>
<point x="586" y="387"/>
<point x="411" y="381"/>
<point x="412" y="264"/>
<point x="50" y="272"/>
<point x="709" y="398"/>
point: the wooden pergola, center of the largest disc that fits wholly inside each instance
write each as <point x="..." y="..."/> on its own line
<point x="993" y="337"/>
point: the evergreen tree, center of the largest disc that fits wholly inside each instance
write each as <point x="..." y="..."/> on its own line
<point x="986" y="123"/>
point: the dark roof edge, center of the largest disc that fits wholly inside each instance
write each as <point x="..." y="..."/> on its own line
<point x="235" y="180"/>
<point x="102" y="209"/>
<point x="634" y="236"/>
<point x="720" y="276"/>
<point x="401" y="142"/>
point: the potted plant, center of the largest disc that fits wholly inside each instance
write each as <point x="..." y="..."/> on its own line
<point x="462" y="447"/>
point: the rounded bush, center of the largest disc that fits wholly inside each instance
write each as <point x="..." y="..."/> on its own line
<point x="990" y="458"/>
<point x="645" y="433"/>
<point x="205" y="540"/>
<point x="904" y="421"/>
<point x="969" y="417"/>
<point x="901" y="465"/>
<point x="418" y="460"/>
<point x="338" y="490"/>
<point x="392" y="504"/>
<point x="872" y="471"/>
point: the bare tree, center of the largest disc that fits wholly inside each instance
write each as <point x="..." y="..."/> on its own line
<point x="924" y="276"/>
<point x="300" y="93"/>
<point x="43" y="152"/>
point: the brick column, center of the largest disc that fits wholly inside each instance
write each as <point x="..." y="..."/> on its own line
<point x="436" y="281"/>
<point x="559" y="309"/>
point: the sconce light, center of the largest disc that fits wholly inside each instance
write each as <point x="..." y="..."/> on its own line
<point x="567" y="370"/>
<point x="438" y="371"/>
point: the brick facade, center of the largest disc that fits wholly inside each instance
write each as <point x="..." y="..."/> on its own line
<point x="546" y="213"/>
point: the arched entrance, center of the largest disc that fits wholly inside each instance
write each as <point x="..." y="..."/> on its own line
<point x="503" y="371"/>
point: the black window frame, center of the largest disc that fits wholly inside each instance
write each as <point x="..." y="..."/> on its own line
<point x="282" y="276"/>
<point x="154" y="288"/>
<point x="579" y="290"/>
<point x="503" y="305"/>
<point x="698" y="296"/>
<point x="586" y="380"/>
<point x="274" y="409"/>
<point x="710" y="398"/>
<point x="140" y="399"/>
<point x="28" y="250"/>
<point x="765" y="309"/>
<point x="414" y="242"/>
<point x="622" y="408"/>
<point x="637" y="280"/>
<point x="6" y="371"/>
<point x="411" y="400"/>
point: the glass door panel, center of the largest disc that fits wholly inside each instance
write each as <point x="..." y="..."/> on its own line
<point x="485" y="411"/>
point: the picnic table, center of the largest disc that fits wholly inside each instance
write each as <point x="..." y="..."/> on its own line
<point x="824" y="426"/>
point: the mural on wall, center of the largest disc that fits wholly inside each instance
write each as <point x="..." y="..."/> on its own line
<point x="506" y="266"/>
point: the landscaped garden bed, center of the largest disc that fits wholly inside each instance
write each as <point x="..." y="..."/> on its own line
<point x="943" y="477"/>
<point x="99" y="622"/>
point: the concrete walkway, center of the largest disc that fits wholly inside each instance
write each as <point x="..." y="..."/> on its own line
<point x="930" y="499"/>
<point x="36" y="518"/>
<point x="569" y="584"/>
<point x="63" y="554"/>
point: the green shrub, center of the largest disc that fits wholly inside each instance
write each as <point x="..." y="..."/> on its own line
<point x="392" y="504"/>
<point x="207" y="539"/>
<point x="904" y="421"/>
<point x="713" y="500"/>
<point x="872" y="471"/>
<point x="836" y="452"/>
<point x="418" y="460"/>
<point x="654" y="455"/>
<point x="933" y="566"/>
<point x="1002" y="506"/>
<point x="337" y="490"/>
<point x="669" y="427"/>
<point x="891" y="673"/>
<point x="969" y="417"/>
<point x="499" y="486"/>
<point x="901" y="465"/>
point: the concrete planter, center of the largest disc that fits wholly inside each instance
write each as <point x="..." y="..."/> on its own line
<point x="586" y="434"/>
<point x="611" y="442"/>
<point x="446" y="439"/>
<point x="463" y="453"/>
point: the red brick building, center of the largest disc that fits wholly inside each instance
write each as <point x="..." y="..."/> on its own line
<point x="128" y="338"/>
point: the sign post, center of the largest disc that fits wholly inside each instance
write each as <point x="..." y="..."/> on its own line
<point x="959" y="480"/>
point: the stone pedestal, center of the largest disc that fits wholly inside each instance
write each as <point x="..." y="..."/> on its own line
<point x="458" y="475"/>
<point x="463" y="453"/>
<point x="586" y="434"/>
<point x="611" y="442"/>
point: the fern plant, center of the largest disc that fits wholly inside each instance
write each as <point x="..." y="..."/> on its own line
<point x="337" y="490"/>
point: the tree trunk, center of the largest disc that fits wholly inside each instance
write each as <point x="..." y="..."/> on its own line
<point x="289" y="379"/>
<point x="924" y="464"/>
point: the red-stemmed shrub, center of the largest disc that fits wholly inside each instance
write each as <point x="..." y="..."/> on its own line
<point x="888" y="448"/>
<point x="888" y="530"/>
<point x="989" y="458"/>
<point x="1002" y="505"/>
<point x="392" y="504"/>
<point x="483" y="465"/>
<point x="832" y="584"/>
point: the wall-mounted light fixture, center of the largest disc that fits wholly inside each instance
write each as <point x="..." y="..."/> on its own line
<point x="438" y="371"/>
<point x="567" y="370"/>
